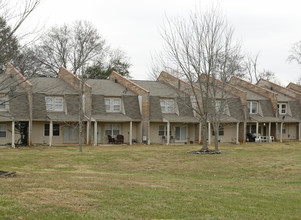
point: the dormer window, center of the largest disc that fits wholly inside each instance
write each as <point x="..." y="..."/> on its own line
<point x="167" y="105"/>
<point x="55" y="104"/>
<point x="252" y="107"/>
<point x="282" y="108"/>
<point x="113" y="104"/>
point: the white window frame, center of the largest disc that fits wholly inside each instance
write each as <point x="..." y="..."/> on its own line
<point x="162" y="130"/>
<point x="112" y="129"/>
<point x="54" y="103"/>
<point x="250" y="107"/>
<point x="111" y="106"/>
<point x="280" y="108"/>
<point x="3" y="130"/>
<point x="167" y="105"/>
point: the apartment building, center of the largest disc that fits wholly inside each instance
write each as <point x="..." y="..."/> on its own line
<point x="43" y="110"/>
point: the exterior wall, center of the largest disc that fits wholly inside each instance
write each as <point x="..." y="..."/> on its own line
<point x="124" y="130"/>
<point x="7" y="139"/>
<point x="39" y="138"/>
<point x="229" y="134"/>
<point x="156" y="139"/>
<point x="291" y="131"/>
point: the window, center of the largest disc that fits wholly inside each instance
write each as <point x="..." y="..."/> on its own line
<point x="55" y="129"/>
<point x="113" y="104"/>
<point x="70" y="133"/>
<point x="220" y="106"/>
<point x="282" y="108"/>
<point x="54" y="103"/>
<point x="283" y="129"/>
<point x="252" y="107"/>
<point x="167" y="105"/>
<point x="3" y="105"/>
<point x="112" y="129"/>
<point x="2" y="130"/>
<point x="163" y="130"/>
<point x="220" y="131"/>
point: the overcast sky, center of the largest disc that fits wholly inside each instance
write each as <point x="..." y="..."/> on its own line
<point x="263" y="26"/>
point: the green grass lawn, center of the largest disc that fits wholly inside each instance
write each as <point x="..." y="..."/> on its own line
<point x="252" y="181"/>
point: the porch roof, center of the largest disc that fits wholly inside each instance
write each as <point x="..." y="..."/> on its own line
<point x="5" y="116"/>
<point x="180" y="119"/>
<point x="113" y="117"/>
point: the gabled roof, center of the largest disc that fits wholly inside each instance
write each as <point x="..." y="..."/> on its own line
<point x="107" y="88"/>
<point x="157" y="88"/>
<point x="51" y="86"/>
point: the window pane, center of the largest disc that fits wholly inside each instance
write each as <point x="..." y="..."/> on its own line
<point x="116" y="105"/>
<point x="162" y="104"/>
<point x="2" y="130"/>
<point x="58" y="104"/>
<point x="170" y="106"/>
<point x="48" y="101"/>
<point x="162" y="130"/>
<point x="108" y="104"/>
<point x="56" y="130"/>
<point x="46" y="129"/>
<point x="254" y="107"/>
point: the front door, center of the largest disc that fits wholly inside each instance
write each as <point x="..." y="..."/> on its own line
<point x="180" y="133"/>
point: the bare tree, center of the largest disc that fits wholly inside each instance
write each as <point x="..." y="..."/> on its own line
<point x="70" y="46"/>
<point x="202" y="51"/>
<point x="253" y="72"/>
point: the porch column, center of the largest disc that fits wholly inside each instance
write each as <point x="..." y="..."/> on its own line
<point x="95" y="133"/>
<point x="269" y="133"/>
<point x="209" y="133"/>
<point x="88" y="132"/>
<point x="168" y="133"/>
<point x="281" y="127"/>
<point x="30" y="132"/>
<point x="131" y="132"/>
<point x="200" y="133"/>
<point x="257" y="127"/>
<point x="13" y="134"/>
<point x="299" y="131"/>
<point x="237" y="133"/>
<point x="50" y="133"/>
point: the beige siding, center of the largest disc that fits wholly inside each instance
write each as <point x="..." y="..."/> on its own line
<point x="229" y="134"/>
<point x="156" y="139"/>
<point x="7" y="139"/>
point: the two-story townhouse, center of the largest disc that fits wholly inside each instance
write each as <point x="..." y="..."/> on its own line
<point x="288" y="111"/>
<point x="261" y="117"/>
<point x="115" y="111"/>
<point x="228" y="98"/>
<point x="170" y="116"/>
<point x="15" y="108"/>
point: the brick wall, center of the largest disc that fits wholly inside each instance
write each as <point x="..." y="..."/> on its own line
<point x="27" y="86"/>
<point x="75" y="83"/>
